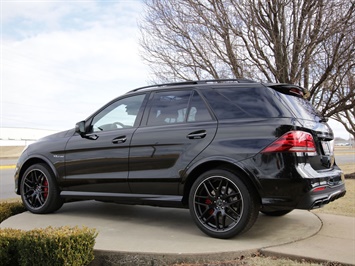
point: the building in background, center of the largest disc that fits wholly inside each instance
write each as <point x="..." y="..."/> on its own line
<point x="22" y="136"/>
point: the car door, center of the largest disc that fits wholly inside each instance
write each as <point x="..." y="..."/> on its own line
<point x="178" y="127"/>
<point x="97" y="159"/>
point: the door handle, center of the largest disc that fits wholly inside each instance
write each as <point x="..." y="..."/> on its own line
<point x="92" y="136"/>
<point x="120" y="139"/>
<point x="197" y="134"/>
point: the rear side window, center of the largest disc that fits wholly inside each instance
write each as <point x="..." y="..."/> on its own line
<point x="171" y="107"/>
<point x="292" y="97"/>
<point x="198" y="111"/>
<point x="237" y="103"/>
<point x="301" y="107"/>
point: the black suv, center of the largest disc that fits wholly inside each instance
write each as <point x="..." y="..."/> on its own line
<point x="225" y="149"/>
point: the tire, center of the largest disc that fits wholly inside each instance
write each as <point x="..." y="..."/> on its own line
<point x="221" y="205"/>
<point x="39" y="191"/>
<point x="276" y="213"/>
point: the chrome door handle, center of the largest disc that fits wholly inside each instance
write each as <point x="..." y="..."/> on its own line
<point x="197" y="134"/>
<point x="118" y="140"/>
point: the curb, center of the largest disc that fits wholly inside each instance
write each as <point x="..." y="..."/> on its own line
<point x="111" y="258"/>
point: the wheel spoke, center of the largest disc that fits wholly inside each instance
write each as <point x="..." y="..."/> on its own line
<point x="207" y="190"/>
<point x="233" y="218"/>
<point x="219" y="224"/>
<point x="209" y="217"/>
<point x="202" y="204"/>
<point x="219" y="188"/>
<point x="40" y="199"/>
<point x="28" y="184"/>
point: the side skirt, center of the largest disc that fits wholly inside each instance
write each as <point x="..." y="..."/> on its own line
<point x="125" y="198"/>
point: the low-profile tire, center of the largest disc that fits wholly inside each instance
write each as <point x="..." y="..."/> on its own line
<point x="221" y="205"/>
<point x="39" y="190"/>
<point x="276" y="213"/>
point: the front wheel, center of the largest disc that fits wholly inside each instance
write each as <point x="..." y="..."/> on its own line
<point x="39" y="190"/>
<point x="221" y="205"/>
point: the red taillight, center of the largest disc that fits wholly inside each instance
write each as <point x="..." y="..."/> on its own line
<point x="318" y="189"/>
<point x="293" y="141"/>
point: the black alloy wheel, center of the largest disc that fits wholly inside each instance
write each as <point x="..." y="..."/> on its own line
<point x="39" y="191"/>
<point x="221" y="205"/>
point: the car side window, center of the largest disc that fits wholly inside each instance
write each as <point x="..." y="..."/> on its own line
<point x="242" y="102"/>
<point x="198" y="111"/>
<point x="120" y="114"/>
<point x="177" y="107"/>
<point x="169" y="107"/>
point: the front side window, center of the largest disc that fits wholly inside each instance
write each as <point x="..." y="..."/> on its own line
<point x="120" y="114"/>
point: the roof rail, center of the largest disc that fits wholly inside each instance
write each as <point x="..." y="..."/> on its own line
<point x="196" y="82"/>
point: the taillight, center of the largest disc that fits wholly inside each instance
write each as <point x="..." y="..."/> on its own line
<point x="292" y="141"/>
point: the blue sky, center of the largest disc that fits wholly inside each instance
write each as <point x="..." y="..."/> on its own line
<point x="62" y="60"/>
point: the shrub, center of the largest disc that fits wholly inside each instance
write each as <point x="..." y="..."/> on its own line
<point x="50" y="246"/>
<point x="9" y="239"/>
<point x="57" y="246"/>
<point x="8" y="209"/>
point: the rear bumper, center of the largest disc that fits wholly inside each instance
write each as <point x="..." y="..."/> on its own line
<point x="303" y="188"/>
<point x="314" y="200"/>
<point x="324" y="187"/>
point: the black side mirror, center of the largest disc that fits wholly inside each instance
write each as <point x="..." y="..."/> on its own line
<point x="80" y="128"/>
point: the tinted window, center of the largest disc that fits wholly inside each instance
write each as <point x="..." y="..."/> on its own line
<point x="232" y="103"/>
<point x="301" y="107"/>
<point x="198" y="111"/>
<point x="169" y="107"/>
<point x="120" y="114"/>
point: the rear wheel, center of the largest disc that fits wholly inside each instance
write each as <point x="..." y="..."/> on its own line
<point x="221" y="205"/>
<point x="39" y="190"/>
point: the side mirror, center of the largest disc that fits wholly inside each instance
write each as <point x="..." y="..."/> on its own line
<point x="80" y="127"/>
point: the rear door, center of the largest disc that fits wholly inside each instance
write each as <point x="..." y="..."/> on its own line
<point x="178" y="126"/>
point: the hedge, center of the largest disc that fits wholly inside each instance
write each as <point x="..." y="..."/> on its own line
<point x="50" y="246"/>
<point x="8" y="209"/>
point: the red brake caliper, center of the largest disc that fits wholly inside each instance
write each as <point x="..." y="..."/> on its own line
<point x="209" y="202"/>
<point x="45" y="188"/>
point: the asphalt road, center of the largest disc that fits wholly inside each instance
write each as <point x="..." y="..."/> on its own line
<point x="7" y="186"/>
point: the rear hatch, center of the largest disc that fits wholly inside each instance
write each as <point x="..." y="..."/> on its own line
<point x="312" y="122"/>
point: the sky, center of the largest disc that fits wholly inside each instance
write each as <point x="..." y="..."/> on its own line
<point x="62" y="60"/>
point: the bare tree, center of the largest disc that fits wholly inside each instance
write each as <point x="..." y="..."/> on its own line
<point x="304" y="42"/>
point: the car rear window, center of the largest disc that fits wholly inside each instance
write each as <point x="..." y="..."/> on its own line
<point x="240" y="102"/>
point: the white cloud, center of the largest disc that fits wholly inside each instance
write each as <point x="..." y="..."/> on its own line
<point x="58" y="74"/>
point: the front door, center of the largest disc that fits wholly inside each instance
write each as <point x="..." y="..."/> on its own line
<point x="98" y="160"/>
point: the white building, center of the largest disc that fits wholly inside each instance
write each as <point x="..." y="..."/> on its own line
<point x="21" y="136"/>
